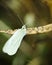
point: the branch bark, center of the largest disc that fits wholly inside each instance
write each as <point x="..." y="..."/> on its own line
<point x="40" y="29"/>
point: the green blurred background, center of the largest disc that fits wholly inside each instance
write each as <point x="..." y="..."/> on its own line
<point x="34" y="49"/>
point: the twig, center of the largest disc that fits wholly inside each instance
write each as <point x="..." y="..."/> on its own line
<point x="40" y="29"/>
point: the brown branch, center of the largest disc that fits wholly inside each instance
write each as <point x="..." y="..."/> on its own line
<point x="40" y="29"/>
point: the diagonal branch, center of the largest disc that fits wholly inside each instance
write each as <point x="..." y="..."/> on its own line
<point x="40" y="29"/>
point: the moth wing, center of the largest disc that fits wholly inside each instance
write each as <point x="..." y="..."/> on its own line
<point x="14" y="42"/>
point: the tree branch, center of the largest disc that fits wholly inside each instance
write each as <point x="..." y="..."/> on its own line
<point x="40" y="29"/>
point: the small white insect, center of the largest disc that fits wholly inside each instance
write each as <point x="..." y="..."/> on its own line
<point x="14" y="42"/>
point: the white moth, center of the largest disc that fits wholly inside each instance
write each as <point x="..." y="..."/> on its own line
<point x="14" y="42"/>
